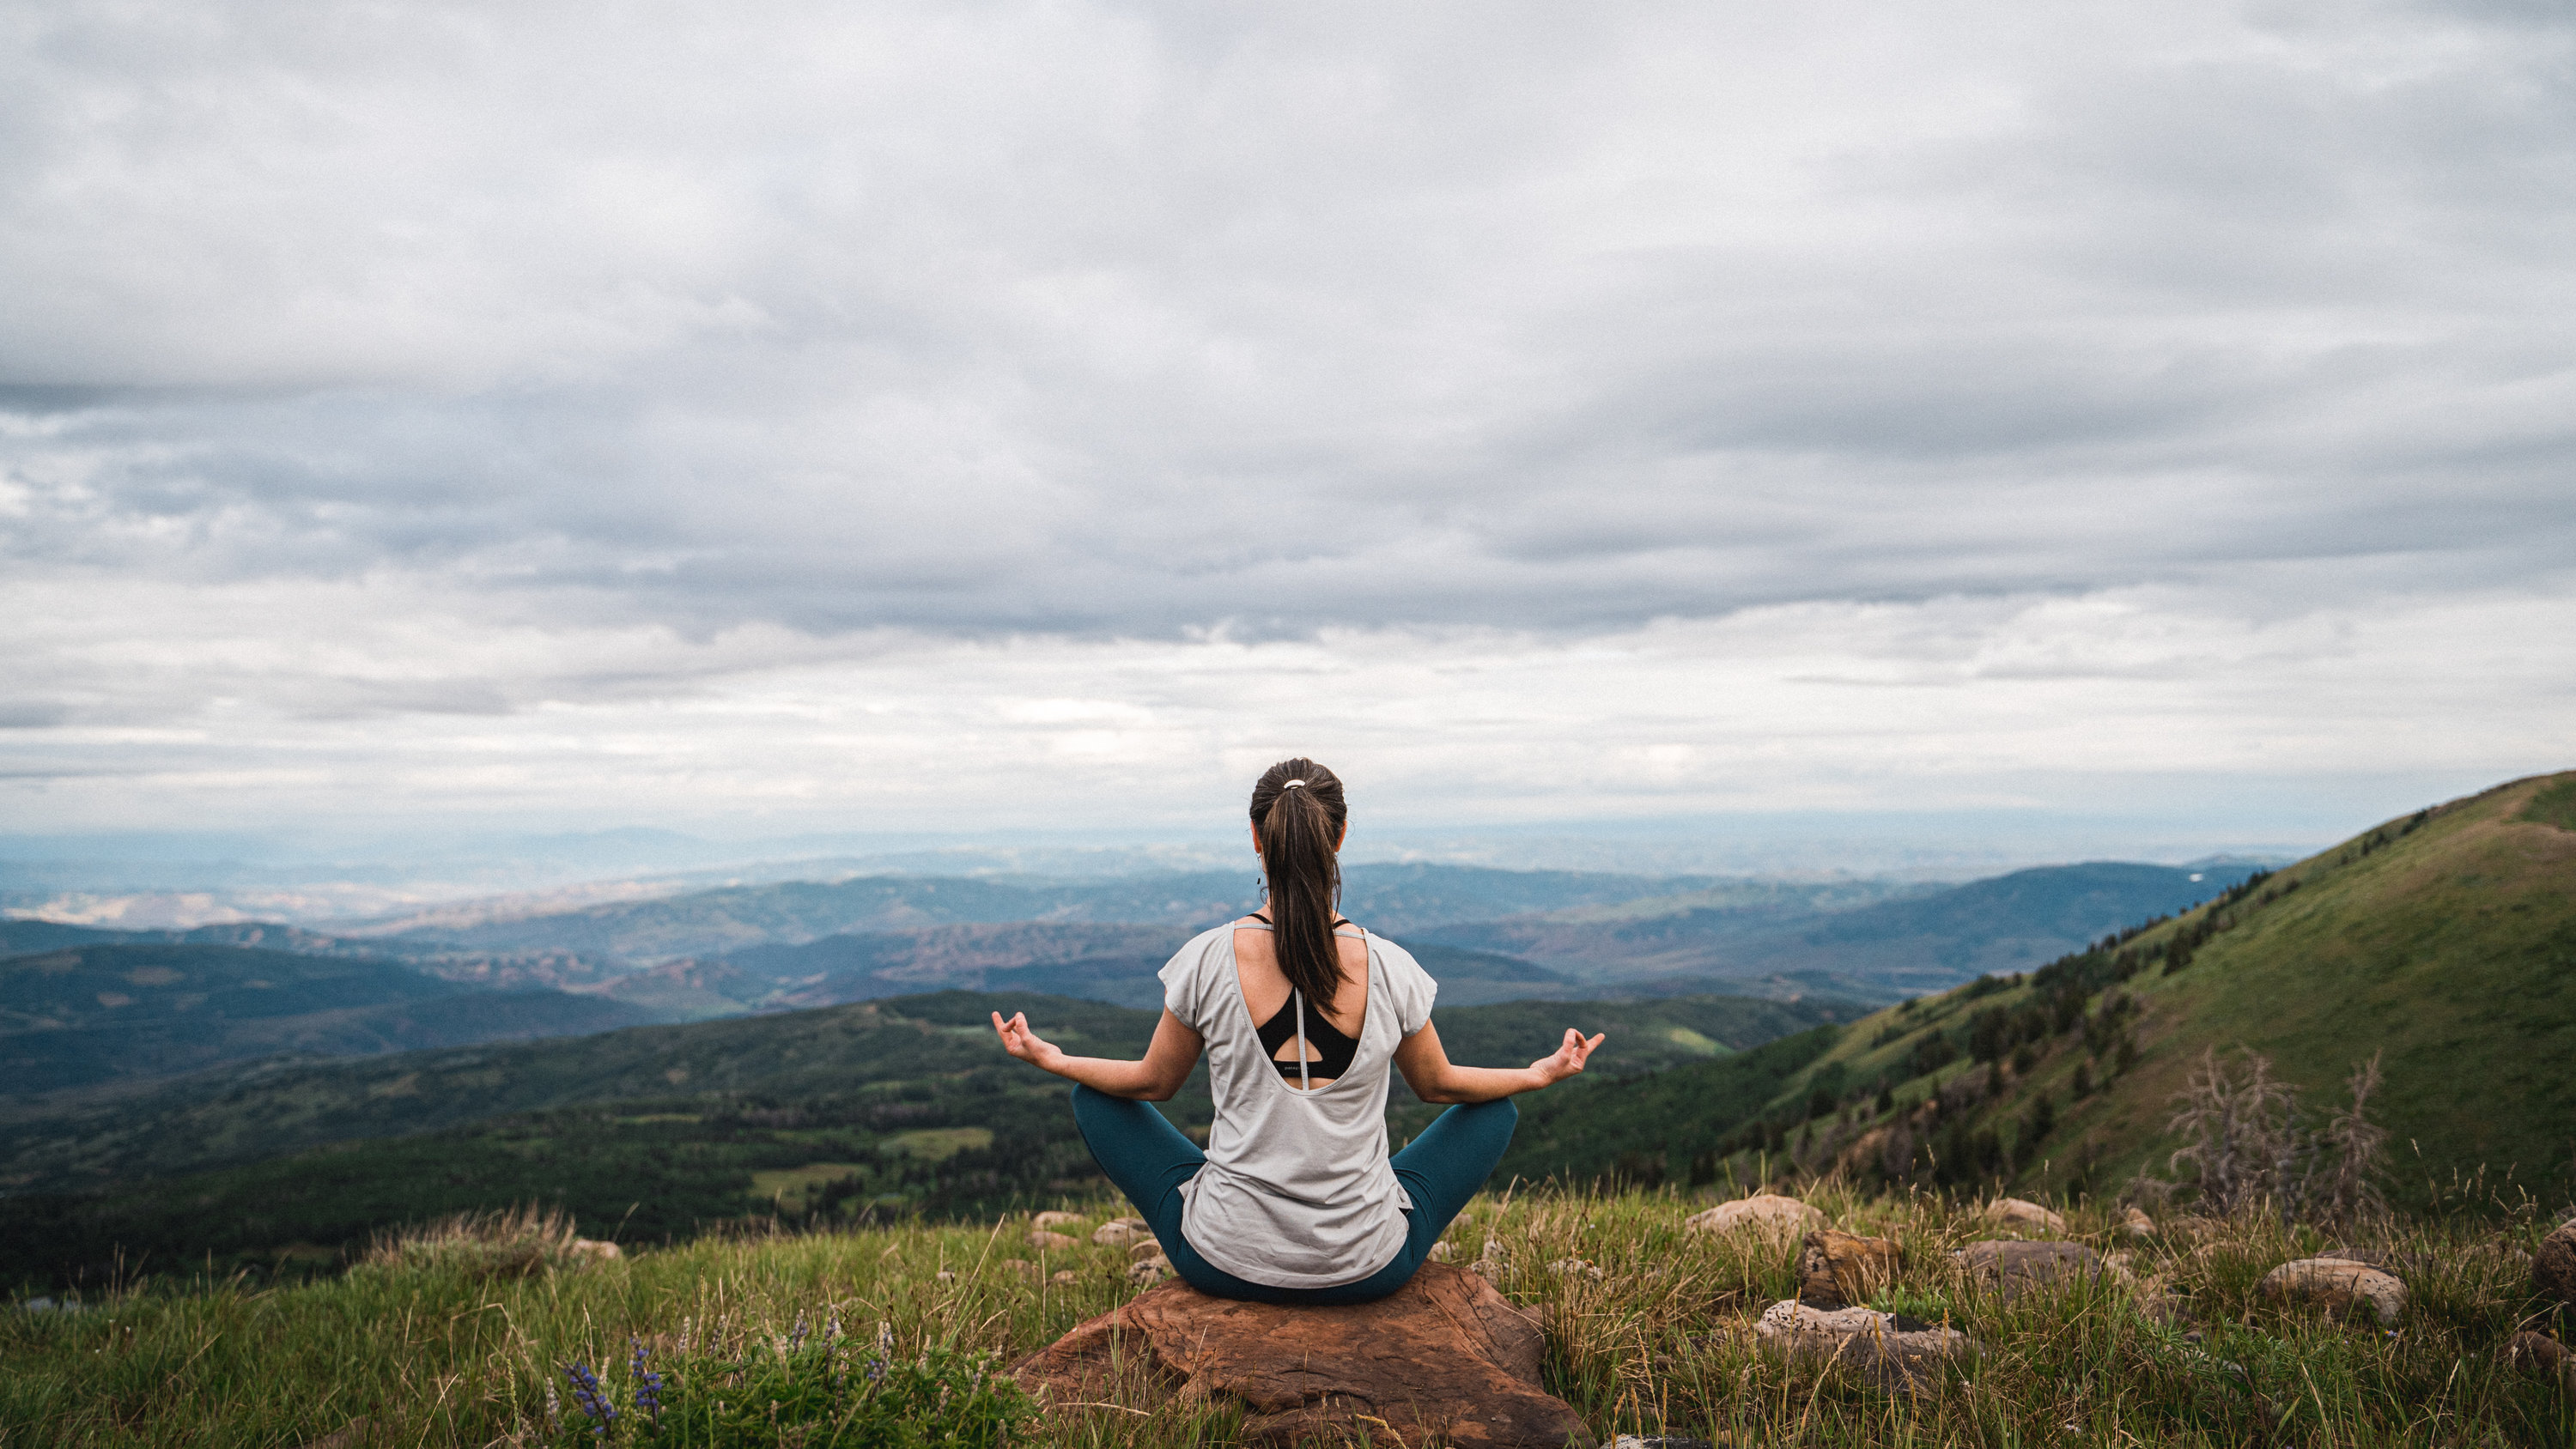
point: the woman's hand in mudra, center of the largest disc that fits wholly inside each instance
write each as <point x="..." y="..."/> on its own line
<point x="1568" y="1059"/>
<point x="1021" y="1041"/>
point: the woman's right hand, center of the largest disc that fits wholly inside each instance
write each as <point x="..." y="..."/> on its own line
<point x="1022" y="1042"/>
<point x="1568" y="1059"/>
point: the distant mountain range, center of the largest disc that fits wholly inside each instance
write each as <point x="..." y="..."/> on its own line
<point x="82" y="1015"/>
<point x="1487" y="935"/>
<point x="1922" y="941"/>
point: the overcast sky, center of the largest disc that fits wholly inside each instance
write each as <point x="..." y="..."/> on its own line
<point x="974" y="418"/>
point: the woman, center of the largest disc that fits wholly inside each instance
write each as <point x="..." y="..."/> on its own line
<point x="1300" y="1013"/>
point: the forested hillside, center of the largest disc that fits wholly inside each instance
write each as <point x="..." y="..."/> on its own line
<point x="2443" y="943"/>
<point x="900" y="1106"/>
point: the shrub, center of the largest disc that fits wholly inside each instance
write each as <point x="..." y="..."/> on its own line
<point x="512" y="1242"/>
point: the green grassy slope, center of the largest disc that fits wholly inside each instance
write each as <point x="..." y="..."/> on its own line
<point x="2445" y="941"/>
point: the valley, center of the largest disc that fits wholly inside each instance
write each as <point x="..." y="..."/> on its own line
<point x="160" y="1107"/>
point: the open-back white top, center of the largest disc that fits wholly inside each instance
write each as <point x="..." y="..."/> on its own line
<point x="1297" y="1191"/>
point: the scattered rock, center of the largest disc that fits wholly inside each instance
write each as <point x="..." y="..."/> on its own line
<point x="359" y="1431"/>
<point x="594" y="1250"/>
<point x="1444" y="1357"/>
<point x="1487" y="1269"/>
<point x="1779" y="1218"/>
<point x="1836" y="1268"/>
<point x="2020" y="1215"/>
<point x="1064" y="1275"/>
<point x="945" y="1276"/>
<point x="1659" y="1441"/>
<point x="1021" y="1268"/>
<point x="2553" y="1268"/>
<point x="1441" y="1252"/>
<point x="1144" y="1248"/>
<point x="2135" y="1222"/>
<point x="1146" y="1272"/>
<point x="1576" y="1268"/>
<point x="2538" y="1354"/>
<point x="1895" y="1351"/>
<point x="1049" y="1221"/>
<point x="1120" y="1233"/>
<point x="1046" y="1242"/>
<point x="2337" y="1285"/>
<point x="2010" y="1266"/>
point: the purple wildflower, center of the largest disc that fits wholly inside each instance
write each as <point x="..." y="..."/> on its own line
<point x="876" y="1370"/>
<point x="648" y="1386"/>
<point x="588" y="1397"/>
<point x="796" y="1336"/>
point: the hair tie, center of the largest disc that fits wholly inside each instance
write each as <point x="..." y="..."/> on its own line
<point x="1293" y="784"/>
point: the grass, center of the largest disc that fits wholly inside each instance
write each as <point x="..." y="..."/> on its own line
<point x="2444" y="942"/>
<point x="439" y="1346"/>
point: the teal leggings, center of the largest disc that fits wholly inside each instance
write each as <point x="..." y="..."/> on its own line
<point x="1149" y="1160"/>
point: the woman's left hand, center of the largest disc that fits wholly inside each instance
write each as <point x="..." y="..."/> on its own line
<point x="1022" y="1042"/>
<point x="1567" y="1061"/>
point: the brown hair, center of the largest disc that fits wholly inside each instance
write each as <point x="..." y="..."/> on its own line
<point x="1301" y="831"/>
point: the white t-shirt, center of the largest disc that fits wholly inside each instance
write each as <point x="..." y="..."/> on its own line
<point x="1297" y="1191"/>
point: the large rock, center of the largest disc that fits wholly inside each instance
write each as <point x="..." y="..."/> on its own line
<point x="1049" y="1242"/>
<point x="2338" y="1285"/>
<point x="2020" y="1215"/>
<point x="2009" y="1267"/>
<point x="1444" y="1357"/>
<point x="1836" y="1268"/>
<point x="2553" y="1268"/>
<point x="1773" y="1216"/>
<point x="1893" y="1350"/>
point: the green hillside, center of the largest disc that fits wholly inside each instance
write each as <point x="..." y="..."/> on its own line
<point x="88" y="1014"/>
<point x="2445" y="941"/>
<point x="903" y="1106"/>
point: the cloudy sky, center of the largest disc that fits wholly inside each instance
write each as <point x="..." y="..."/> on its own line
<point x="986" y="417"/>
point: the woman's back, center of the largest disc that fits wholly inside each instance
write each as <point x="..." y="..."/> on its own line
<point x="1297" y="1190"/>
<point x="1296" y="1033"/>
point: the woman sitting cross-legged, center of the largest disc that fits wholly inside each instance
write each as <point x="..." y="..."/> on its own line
<point x="1301" y="1013"/>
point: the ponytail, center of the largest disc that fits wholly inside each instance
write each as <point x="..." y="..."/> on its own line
<point x="1297" y="807"/>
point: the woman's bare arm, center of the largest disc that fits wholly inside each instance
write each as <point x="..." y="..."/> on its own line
<point x="1167" y="1063"/>
<point x="1434" y="1078"/>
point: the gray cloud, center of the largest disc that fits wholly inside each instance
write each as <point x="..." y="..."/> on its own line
<point x="460" y="362"/>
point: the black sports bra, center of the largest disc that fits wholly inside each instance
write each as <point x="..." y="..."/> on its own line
<point x="1334" y="1051"/>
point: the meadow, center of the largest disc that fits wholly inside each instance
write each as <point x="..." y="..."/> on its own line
<point x="452" y="1338"/>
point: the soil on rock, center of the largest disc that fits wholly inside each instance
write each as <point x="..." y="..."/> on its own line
<point x="2338" y="1285"/>
<point x="1836" y="1268"/>
<point x="1445" y="1357"/>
